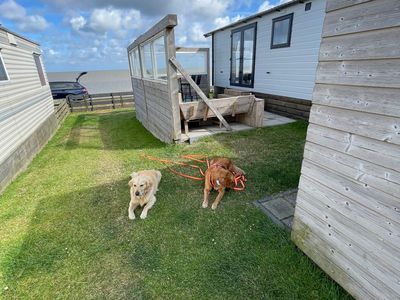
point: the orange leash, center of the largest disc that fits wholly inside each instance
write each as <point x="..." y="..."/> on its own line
<point x="239" y="179"/>
<point x="193" y="157"/>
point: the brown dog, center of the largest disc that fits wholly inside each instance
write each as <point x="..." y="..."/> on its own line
<point x="220" y="175"/>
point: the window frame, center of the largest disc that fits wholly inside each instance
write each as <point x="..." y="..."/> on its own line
<point x="38" y="65"/>
<point x="5" y="69"/>
<point x="289" y="36"/>
<point x="150" y="42"/>
<point x="241" y="30"/>
<point x="131" y="58"/>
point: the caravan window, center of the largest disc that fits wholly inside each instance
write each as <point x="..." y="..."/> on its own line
<point x="3" y="71"/>
<point x="281" y="31"/>
<point x="39" y="68"/>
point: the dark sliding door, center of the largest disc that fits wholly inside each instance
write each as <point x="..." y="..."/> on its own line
<point x="243" y="46"/>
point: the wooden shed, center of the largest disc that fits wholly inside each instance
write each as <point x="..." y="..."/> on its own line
<point x="171" y="84"/>
<point x="27" y="117"/>
<point x="347" y="217"/>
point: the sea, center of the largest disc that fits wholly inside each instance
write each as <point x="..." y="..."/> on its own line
<point x="106" y="81"/>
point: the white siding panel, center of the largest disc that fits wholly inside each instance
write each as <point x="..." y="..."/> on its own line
<point x="291" y="69"/>
<point x="24" y="103"/>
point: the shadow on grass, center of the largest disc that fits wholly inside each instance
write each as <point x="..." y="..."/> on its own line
<point x="81" y="244"/>
<point x="117" y="130"/>
<point x="75" y="241"/>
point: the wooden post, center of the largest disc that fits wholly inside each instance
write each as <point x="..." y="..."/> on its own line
<point x="91" y="102"/>
<point x="112" y="101"/>
<point x="86" y="104"/>
<point x="122" y="101"/>
<point x="199" y="92"/>
<point x="173" y="84"/>
<point x="69" y="103"/>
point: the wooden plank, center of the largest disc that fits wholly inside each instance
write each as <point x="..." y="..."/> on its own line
<point x="200" y="92"/>
<point x="363" y="99"/>
<point x="172" y="87"/>
<point x="290" y="111"/>
<point x="350" y="258"/>
<point x="387" y="181"/>
<point x="372" y="73"/>
<point x="169" y="21"/>
<point x="383" y="204"/>
<point x="311" y="244"/>
<point x="367" y="16"/>
<point x="328" y="200"/>
<point x="371" y="150"/>
<point x="339" y="4"/>
<point x="297" y="106"/>
<point x="196" y="110"/>
<point x="377" y="44"/>
<point x="380" y="127"/>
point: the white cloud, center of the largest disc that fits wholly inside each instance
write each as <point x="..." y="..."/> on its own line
<point x="223" y="21"/>
<point x="77" y="23"/>
<point x="197" y="33"/>
<point x="210" y="8"/>
<point x="11" y="10"/>
<point x="264" y="6"/>
<point x="267" y="5"/>
<point x="108" y="19"/>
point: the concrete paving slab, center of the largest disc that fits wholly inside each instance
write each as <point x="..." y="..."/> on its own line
<point x="269" y="119"/>
<point x="280" y="208"/>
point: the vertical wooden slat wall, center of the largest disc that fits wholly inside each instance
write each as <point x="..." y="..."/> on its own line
<point x="347" y="217"/>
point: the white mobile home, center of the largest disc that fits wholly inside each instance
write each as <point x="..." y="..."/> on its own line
<point x="27" y="117"/>
<point x="273" y="54"/>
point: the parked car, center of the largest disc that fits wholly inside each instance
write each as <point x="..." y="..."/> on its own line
<point x="61" y="89"/>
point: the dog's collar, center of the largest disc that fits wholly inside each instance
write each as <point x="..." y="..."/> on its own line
<point x="216" y="165"/>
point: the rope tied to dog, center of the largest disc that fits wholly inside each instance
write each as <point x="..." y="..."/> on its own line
<point x="239" y="180"/>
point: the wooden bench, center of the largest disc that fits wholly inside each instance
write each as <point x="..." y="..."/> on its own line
<point x="248" y="109"/>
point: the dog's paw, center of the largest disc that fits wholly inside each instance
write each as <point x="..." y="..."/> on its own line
<point x="132" y="217"/>
<point x="143" y="216"/>
<point x="214" y="206"/>
<point x="204" y="205"/>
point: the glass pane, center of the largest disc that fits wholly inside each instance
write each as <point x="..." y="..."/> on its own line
<point x="147" y="61"/>
<point x="131" y="62"/>
<point x="195" y="63"/>
<point x="235" y="63"/>
<point x="39" y="68"/>
<point x="159" y="54"/>
<point x="248" y="47"/>
<point x="3" y="74"/>
<point x="136" y="63"/>
<point x="281" y="32"/>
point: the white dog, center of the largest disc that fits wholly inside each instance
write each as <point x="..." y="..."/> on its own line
<point x="144" y="185"/>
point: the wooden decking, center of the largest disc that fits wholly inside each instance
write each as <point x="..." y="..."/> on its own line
<point x="269" y="119"/>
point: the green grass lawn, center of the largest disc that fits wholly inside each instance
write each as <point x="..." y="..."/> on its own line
<point x="65" y="232"/>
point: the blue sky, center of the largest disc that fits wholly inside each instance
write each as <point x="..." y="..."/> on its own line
<point x="78" y="35"/>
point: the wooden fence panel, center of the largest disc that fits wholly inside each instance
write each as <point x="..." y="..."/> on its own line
<point x="100" y="101"/>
